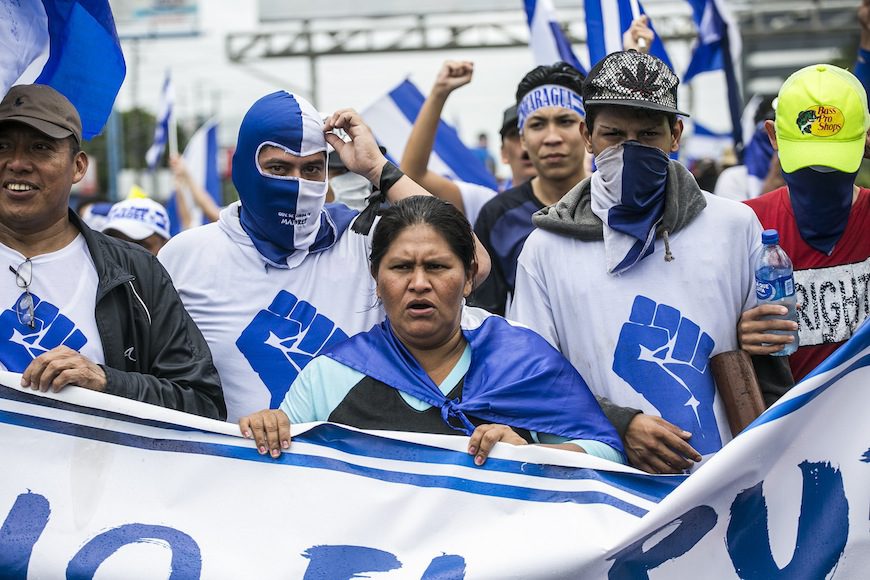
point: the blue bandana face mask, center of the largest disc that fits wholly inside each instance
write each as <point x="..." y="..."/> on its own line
<point x="821" y="201"/>
<point x="283" y="215"/>
<point x="628" y="195"/>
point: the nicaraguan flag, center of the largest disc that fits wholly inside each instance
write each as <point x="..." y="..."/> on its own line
<point x="718" y="49"/>
<point x="516" y="378"/>
<point x="706" y="143"/>
<point x="70" y="45"/>
<point x="201" y="160"/>
<point x="161" y="130"/>
<point x="607" y="21"/>
<point x="391" y="118"/>
<point x="546" y="39"/>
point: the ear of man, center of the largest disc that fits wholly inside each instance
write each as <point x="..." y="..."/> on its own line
<point x="770" y="127"/>
<point x="81" y="166"/>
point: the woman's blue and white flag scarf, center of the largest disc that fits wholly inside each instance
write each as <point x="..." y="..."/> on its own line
<point x="285" y="216"/>
<point x="628" y="196"/>
<point x="515" y="378"/>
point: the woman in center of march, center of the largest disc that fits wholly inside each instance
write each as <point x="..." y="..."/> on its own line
<point x="435" y="365"/>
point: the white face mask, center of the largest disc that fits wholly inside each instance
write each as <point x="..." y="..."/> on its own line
<point x="351" y="189"/>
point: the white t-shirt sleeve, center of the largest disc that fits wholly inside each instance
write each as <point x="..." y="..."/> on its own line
<point x="530" y="304"/>
<point x="474" y="197"/>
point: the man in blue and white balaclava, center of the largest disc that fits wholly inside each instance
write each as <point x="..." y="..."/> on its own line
<point x="637" y="275"/>
<point x="282" y="275"/>
<point x="279" y="170"/>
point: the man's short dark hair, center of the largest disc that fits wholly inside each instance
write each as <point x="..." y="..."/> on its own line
<point x="560" y="73"/>
<point x="636" y="112"/>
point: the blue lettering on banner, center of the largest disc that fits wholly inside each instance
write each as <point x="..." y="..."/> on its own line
<point x="634" y="561"/>
<point x="282" y="339"/>
<point x="664" y="357"/>
<point x="823" y="528"/>
<point x="29" y="516"/>
<point x="346" y="562"/>
<point x="445" y="567"/>
<point x="186" y="563"/>
<point x="22" y="527"/>
<point x="20" y="344"/>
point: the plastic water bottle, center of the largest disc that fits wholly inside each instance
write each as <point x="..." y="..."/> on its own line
<point x="774" y="284"/>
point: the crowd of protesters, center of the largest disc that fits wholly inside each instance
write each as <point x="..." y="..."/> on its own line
<point x="579" y="308"/>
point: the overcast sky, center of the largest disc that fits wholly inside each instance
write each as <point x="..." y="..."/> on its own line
<point x="206" y="82"/>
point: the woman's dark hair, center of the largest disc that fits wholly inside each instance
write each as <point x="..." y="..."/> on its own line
<point x="560" y="73"/>
<point x="443" y="217"/>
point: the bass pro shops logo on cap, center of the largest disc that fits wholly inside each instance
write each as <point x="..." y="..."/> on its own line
<point x="820" y="121"/>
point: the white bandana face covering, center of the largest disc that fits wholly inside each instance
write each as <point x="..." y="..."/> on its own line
<point x="351" y="189"/>
<point x="628" y="196"/>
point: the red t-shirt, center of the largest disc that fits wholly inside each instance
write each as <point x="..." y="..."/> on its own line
<point x="833" y="290"/>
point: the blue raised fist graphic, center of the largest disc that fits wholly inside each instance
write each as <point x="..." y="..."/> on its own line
<point x="664" y="357"/>
<point x="20" y="344"/>
<point x="282" y="339"/>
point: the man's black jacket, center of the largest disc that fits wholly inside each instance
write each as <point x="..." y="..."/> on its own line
<point x="154" y="352"/>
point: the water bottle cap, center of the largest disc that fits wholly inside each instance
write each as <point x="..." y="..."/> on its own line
<point x="769" y="237"/>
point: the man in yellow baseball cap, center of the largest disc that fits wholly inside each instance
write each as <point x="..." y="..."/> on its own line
<point x="823" y="218"/>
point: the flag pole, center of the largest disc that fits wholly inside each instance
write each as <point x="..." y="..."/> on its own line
<point x="173" y="127"/>
<point x="635" y="14"/>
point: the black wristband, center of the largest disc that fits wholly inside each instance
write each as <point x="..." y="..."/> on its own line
<point x="390" y="174"/>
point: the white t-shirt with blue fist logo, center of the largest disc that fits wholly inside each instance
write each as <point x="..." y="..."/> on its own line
<point x="62" y="289"/>
<point x="644" y="338"/>
<point x="264" y="324"/>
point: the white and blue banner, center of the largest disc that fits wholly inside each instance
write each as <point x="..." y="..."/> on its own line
<point x="201" y="159"/>
<point x="546" y="39"/>
<point x="607" y="21"/>
<point x="718" y="48"/>
<point x="163" y="124"/>
<point x="391" y="118"/>
<point x="71" y="45"/>
<point x="100" y="485"/>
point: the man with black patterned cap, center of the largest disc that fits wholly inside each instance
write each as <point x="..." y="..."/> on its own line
<point x="622" y="275"/>
<point x="76" y="306"/>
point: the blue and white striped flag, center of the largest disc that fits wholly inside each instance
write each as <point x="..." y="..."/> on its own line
<point x="607" y="21"/>
<point x="391" y="118"/>
<point x="546" y="39"/>
<point x="163" y="127"/>
<point x="718" y="49"/>
<point x="201" y="160"/>
<point x="704" y="143"/>
<point x="70" y="45"/>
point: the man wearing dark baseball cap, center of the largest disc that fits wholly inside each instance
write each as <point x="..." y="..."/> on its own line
<point x="512" y="153"/>
<point x="44" y="109"/>
<point x="78" y="307"/>
<point x="622" y="275"/>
